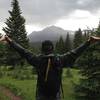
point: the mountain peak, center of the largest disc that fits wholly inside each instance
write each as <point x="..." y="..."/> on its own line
<point x="53" y="28"/>
<point x="48" y="33"/>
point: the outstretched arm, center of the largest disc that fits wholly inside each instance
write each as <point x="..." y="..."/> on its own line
<point x="69" y="58"/>
<point x="23" y="52"/>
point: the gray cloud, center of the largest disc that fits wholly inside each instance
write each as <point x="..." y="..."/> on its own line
<point x="45" y="12"/>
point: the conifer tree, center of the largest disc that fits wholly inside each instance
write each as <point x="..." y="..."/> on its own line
<point x="86" y="34"/>
<point x="60" y="46"/>
<point x="68" y="44"/>
<point x="78" y="39"/>
<point x="89" y="87"/>
<point x="15" y="28"/>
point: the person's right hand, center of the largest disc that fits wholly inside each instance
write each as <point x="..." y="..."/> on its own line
<point x="5" y="39"/>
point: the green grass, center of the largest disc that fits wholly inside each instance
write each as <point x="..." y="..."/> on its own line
<point x="26" y="88"/>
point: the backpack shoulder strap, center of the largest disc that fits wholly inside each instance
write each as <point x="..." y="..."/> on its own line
<point x="47" y="70"/>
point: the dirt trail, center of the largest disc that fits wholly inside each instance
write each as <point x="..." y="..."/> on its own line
<point x="7" y="92"/>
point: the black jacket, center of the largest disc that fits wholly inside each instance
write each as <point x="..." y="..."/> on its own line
<point x="40" y="62"/>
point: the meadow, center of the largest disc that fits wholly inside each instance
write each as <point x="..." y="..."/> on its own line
<point x="26" y="88"/>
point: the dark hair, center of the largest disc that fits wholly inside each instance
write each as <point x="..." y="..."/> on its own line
<point x="47" y="47"/>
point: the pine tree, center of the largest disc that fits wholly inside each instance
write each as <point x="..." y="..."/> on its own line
<point x="78" y="38"/>
<point x="89" y="87"/>
<point x="15" y="28"/>
<point x="86" y="34"/>
<point x="60" y="46"/>
<point x="68" y="43"/>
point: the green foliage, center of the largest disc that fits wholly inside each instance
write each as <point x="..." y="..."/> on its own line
<point x="69" y="73"/>
<point x="78" y="38"/>
<point x="86" y="34"/>
<point x="23" y="88"/>
<point x="60" y="46"/>
<point x="5" y="71"/>
<point x="17" y="73"/>
<point x="2" y="54"/>
<point x="15" y="28"/>
<point x="22" y="74"/>
<point x="89" y="87"/>
<point x="17" y="91"/>
<point x="68" y="43"/>
<point x="26" y="88"/>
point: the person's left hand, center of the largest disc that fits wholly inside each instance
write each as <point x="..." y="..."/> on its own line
<point x="94" y="39"/>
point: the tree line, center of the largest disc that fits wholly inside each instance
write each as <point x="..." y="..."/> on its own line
<point x="69" y="43"/>
<point x="88" y="63"/>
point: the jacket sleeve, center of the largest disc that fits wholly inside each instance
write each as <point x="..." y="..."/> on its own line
<point x="69" y="58"/>
<point x="32" y="59"/>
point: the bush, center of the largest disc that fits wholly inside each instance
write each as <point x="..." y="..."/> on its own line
<point x="22" y="74"/>
<point x="17" y="72"/>
<point x="69" y="73"/>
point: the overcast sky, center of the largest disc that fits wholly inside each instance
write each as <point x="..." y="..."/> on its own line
<point x="68" y="14"/>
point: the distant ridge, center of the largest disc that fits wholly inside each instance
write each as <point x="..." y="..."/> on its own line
<point x="49" y="33"/>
